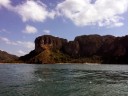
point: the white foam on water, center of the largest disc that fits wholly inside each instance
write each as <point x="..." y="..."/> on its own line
<point x="41" y="80"/>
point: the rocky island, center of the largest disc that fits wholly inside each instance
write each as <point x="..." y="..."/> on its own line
<point x="84" y="49"/>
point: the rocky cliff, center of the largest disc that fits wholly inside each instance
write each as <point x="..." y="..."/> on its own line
<point x="92" y="44"/>
<point x="47" y="41"/>
<point x="107" y="48"/>
<point x="72" y="47"/>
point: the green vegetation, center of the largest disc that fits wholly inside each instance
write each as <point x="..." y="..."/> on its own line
<point x="54" y="55"/>
<point x="91" y="59"/>
<point x="84" y="49"/>
<point x="50" y="55"/>
<point x="4" y="56"/>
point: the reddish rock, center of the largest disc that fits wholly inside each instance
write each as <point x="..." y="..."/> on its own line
<point x="120" y="51"/>
<point x="85" y="45"/>
<point x="72" y="47"/>
<point x="43" y="42"/>
<point x="117" y="47"/>
<point x="92" y="44"/>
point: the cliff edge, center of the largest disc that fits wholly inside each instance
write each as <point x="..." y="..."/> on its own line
<point x="85" y="48"/>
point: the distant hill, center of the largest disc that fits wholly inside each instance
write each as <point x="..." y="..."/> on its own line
<point x="4" y="56"/>
<point x="84" y="49"/>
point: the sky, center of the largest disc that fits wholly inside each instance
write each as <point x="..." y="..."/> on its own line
<point x="21" y="21"/>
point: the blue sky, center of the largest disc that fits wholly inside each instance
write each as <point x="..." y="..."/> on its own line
<point x="21" y="21"/>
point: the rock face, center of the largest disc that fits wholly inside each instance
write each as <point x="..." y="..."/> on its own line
<point x="107" y="49"/>
<point x="86" y="45"/>
<point x="43" y="42"/>
<point x="92" y="44"/>
<point x="72" y="47"/>
<point x="118" y="47"/>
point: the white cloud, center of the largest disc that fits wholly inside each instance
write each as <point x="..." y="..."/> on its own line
<point x="4" y="30"/>
<point x="39" y="35"/>
<point x="80" y="12"/>
<point x="29" y="45"/>
<point x="112" y="22"/>
<point x="30" y="29"/>
<point x="17" y="53"/>
<point x="34" y="10"/>
<point x="26" y="44"/>
<point x="46" y="31"/>
<point x="51" y="4"/>
<point x="30" y="10"/>
<point x="51" y="14"/>
<point x="6" y="4"/>
<point x="83" y="13"/>
<point x="6" y="40"/>
<point x="20" y="52"/>
<point x="13" y="43"/>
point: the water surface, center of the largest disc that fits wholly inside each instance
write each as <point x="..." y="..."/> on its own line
<point x="63" y="80"/>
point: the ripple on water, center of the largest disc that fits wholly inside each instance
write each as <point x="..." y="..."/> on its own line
<point x="64" y="80"/>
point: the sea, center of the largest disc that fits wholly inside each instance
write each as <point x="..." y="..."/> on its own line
<point x="63" y="80"/>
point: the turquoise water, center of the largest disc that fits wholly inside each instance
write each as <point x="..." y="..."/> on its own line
<point x="63" y="80"/>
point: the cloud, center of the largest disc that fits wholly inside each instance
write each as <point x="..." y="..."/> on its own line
<point x="30" y="29"/>
<point x="20" y="52"/>
<point x="29" y="45"/>
<point x="80" y="12"/>
<point x="46" y="31"/>
<point x="4" y="30"/>
<point x="30" y="10"/>
<point x="34" y="11"/>
<point x="112" y="22"/>
<point x="101" y="12"/>
<point x="17" y="53"/>
<point x="26" y="44"/>
<point x="51" y="4"/>
<point x="6" y="40"/>
<point x="6" y="4"/>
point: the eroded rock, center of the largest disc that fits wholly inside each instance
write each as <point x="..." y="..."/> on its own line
<point x="46" y="41"/>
